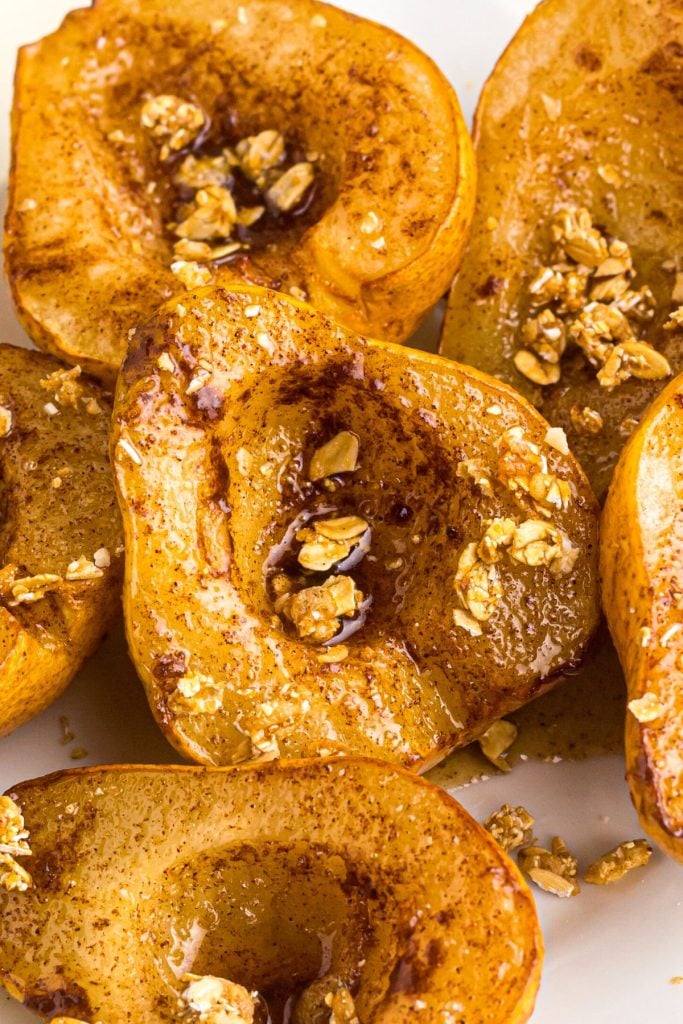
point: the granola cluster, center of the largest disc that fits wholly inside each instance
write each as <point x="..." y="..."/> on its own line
<point x="477" y="581"/>
<point x="317" y="611"/>
<point x="556" y="870"/>
<point x="210" y="1000"/>
<point x="14" y="843"/>
<point x="210" y="221"/>
<point x="585" y="298"/>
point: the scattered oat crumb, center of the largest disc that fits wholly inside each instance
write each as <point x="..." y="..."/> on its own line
<point x="50" y="409"/>
<point x="556" y="438"/>
<point x="67" y="735"/>
<point x="102" y="558"/>
<point x="131" y="451"/>
<point x="78" y="753"/>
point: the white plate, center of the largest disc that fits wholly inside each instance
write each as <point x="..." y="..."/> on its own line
<point x="611" y="953"/>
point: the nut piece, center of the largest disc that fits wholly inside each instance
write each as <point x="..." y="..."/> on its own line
<point x="618" y="862"/>
<point x="535" y="368"/>
<point x="553" y="870"/>
<point x="463" y="620"/>
<point x="537" y="542"/>
<point x="260" y="153"/>
<point x="497" y="538"/>
<point x="29" y="589"/>
<point x="573" y="229"/>
<point x="647" y="708"/>
<point x="510" y="827"/>
<point x="586" y="420"/>
<point x="290" y="188"/>
<point x="13" y="878"/>
<point x="202" y="171"/>
<point x="82" y="569"/>
<point x="342" y="1007"/>
<point x="198" y="694"/>
<point x="545" y="335"/>
<point x="338" y="455"/>
<point x="172" y="121"/>
<point x="496" y="741"/>
<point x="330" y="541"/>
<point x="13" y="833"/>
<point x="211" y="214"/>
<point x="477" y="585"/>
<point x="316" y="611"/>
<point x="555" y="884"/>
<point x="633" y="359"/>
<point x="211" y="1000"/>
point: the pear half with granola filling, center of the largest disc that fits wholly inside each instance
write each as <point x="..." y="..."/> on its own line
<point x="285" y="144"/>
<point x="335" y="544"/>
<point x="575" y="259"/>
<point x="60" y="531"/>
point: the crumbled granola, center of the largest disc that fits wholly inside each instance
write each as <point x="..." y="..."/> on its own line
<point x="675" y="321"/>
<point x="618" y="862"/>
<point x="537" y="542"/>
<point x="477" y="584"/>
<point x="338" y="455"/>
<point x="191" y="274"/>
<point x="29" y="589"/>
<point x="287" y="192"/>
<point x="647" y="708"/>
<point x="258" y="154"/>
<point x="13" y="877"/>
<point x="13" y="832"/>
<point x="342" y="1007"/>
<point x="496" y="741"/>
<point x="510" y="827"/>
<point x="172" y="122"/>
<point x="497" y="537"/>
<point x="201" y="171"/>
<point x="65" y="386"/>
<point x="474" y="469"/>
<point x="586" y="420"/>
<point x="210" y="1000"/>
<point x="573" y="229"/>
<point x="199" y="694"/>
<point x="82" y="569"/>
<point x="316" y="612"/>
<point x="633" y="359"/>
<point x="588" y="303"/>
<point x="211" y="214"/>
<point x="329" y="541"/>
<point x="552" y="870"/>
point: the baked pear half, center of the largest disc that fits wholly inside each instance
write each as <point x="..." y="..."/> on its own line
<point x="575" y="260"/>
<point x="338" y="545"/>
<point x="285" y="144"/>
<point x="158" y="894"/>
<point x="642" y="573"/>
<point x="60" y="538"/>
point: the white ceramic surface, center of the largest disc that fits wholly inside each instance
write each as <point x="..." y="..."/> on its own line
<point x="611" y="953"/>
